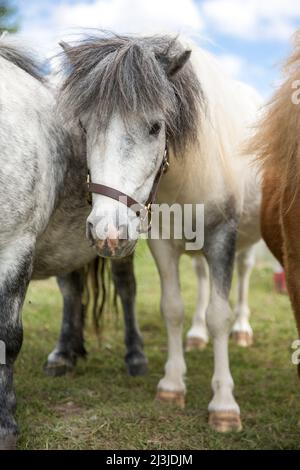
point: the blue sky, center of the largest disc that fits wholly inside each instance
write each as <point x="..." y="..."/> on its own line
<point x="249" y="37"/>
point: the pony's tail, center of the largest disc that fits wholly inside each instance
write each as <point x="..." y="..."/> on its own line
<point x="97" y="291"/>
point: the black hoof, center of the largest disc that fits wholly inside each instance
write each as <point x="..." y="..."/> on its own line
<point x="137" y="366"/>
<point x="8" y="442"/>
<point x="57" y="370"/>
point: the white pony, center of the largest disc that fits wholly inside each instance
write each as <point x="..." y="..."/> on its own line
<point x="137" y="97"/>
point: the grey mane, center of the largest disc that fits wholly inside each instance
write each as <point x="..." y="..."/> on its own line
<point x="21" y="59"/>
<point x="124" y="74"/>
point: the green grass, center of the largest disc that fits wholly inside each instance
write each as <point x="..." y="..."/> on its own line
<point x="99" y="407"/>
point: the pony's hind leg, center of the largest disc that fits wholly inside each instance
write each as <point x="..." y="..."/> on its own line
<point x="242" y="332"/>
<point x="70" y="345"/>
<point x="171" y="387"/>
<point x="15" y="273"/>
<point x="124" y="280"/>
<point x="197" y="336"/>
<point x="219" y="249"/>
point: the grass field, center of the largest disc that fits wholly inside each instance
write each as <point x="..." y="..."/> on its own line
<point x="99" y="407"/>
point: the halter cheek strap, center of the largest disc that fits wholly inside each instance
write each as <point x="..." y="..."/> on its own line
<point x="143" y="211"/>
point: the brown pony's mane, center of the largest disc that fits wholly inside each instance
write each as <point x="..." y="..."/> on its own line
<point x="276" y="142"/>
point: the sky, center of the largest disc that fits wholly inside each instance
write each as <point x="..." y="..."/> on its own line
<point x="250" y="38"/>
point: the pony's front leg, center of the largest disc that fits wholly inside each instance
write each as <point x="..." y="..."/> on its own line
<point x="224" y="413"/>
<point x="171" y="387"/>
<point x="70" y="345"/>
<point x="124" y="280"/>
<point x="197" y="337"/>
<point x="15" y="273"/>
<point x="242" y="331"/>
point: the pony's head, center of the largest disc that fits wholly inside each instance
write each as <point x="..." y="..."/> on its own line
<point x="130" y="95"/>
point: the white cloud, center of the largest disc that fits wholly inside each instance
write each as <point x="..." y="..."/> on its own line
<point x="239" y="68"/>
<point x="232" y="64"/>
<point x="131" y="16"/>
<point x="253" y="19"/>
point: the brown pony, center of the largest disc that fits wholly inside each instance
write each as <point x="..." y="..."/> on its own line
<point x="277" y="145"/>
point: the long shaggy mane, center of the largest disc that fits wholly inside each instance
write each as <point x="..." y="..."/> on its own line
<point x="276" y="142"/>
<point x="111" y="73"/>
<point x="21" y="59"/>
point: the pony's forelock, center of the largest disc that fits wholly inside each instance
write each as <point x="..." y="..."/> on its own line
<point x="122" y="74"/>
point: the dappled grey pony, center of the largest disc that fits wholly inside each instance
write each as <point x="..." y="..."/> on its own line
<point x="143" y="101"/>
<point x="42" y="231"/>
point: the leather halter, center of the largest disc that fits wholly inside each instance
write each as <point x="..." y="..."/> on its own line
<point x="143" y="211"/>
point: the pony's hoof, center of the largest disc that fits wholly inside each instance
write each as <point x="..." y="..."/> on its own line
<point x="242" y="339"/>
<point x="176" y="398"/>
<point x="8" y="442"/>
<point x="137" y="366"/>
<point x="193" y="343"/>
<point x="58" y="369"/>
<point x="225" y="421"/>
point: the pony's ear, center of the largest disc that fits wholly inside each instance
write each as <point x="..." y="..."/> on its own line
<point x="68" y="51"/>
<point x="175" y="64"/>
<point x="65" y="46"/>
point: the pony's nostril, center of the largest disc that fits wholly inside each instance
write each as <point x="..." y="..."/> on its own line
<point x="112" y="233"/>
<point x="123" y="232"/>
<point x="89" y="233"/>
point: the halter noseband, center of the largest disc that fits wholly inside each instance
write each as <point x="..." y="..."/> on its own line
<point x="143" y="211"/>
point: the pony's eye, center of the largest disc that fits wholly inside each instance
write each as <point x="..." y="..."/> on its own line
<point x="155" y="128"/>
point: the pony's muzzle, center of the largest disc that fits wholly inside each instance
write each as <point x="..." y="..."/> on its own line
<point x="110" y="241"/>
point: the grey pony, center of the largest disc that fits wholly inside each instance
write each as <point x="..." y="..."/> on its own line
<point x="43" y="216"/>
